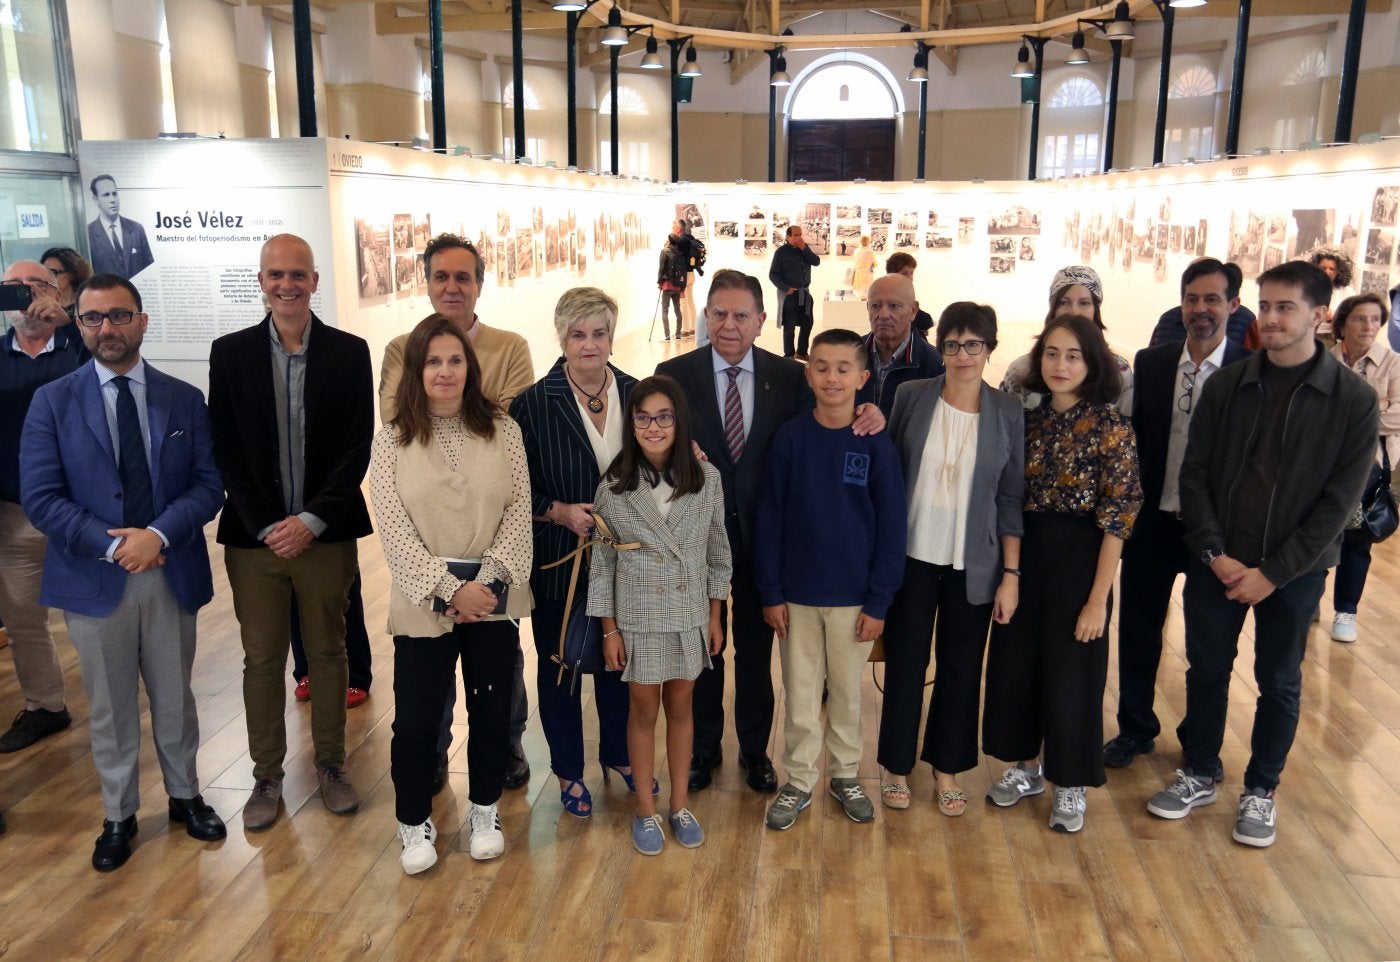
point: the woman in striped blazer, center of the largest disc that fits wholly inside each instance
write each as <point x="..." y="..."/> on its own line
<point x="572" y="420"/>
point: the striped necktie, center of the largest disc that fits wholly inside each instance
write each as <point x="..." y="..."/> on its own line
<point x="733" y="415"/>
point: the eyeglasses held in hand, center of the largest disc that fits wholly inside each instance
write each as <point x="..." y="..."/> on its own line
<point x="95" y="318"/>
<point x="663" y="420"/>
<point x="973" y="347"/>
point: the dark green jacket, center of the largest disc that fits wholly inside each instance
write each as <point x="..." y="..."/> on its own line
<point x="1329" y="444"/>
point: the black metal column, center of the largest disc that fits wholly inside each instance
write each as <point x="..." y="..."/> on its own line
<point x="675" y="46"/>
<point x="517" y="74"/>
<point x="1159" y="133"/>
<point x="923" y="122"/>
<point x="772" y="120"/>
<point x="1038" y="45"/>
<point x="435" y="66"/>
<point x="1111" y="122"/>
<point x="306" y="66"/>
<point x="1351" y="65"/>
<point x="571" y="67"/>
<point x="1232" y="121"/>
<point x="613" y="52"/>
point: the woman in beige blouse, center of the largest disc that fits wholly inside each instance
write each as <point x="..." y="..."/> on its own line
<point x="450" y="481"/>
<point x="1357" y="323"/>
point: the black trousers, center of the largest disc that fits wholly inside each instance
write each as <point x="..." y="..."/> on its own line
<point x="932" y="592"/>
<point x="1151" y="562"/>
<point x="1043" y="687"/>
<point x="798" y="316"/>
<point x="753" y="673"/>
<point x="356" y="640"/>
<point x="424" y="672"/>
<point x="1350" y="579"/>
<point x="671" y="300"/>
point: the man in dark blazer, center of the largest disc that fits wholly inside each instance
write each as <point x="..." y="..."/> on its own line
<point x="117" y="468"/>
<point x="292" y="404"/>
<point x="117" y="244"/>
<point x="739" y="396"/>
<point x="1168" y="378"/>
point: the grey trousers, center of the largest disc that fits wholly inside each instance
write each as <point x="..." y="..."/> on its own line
<point x="148" y="635"/>
<point x="21" y="572"/>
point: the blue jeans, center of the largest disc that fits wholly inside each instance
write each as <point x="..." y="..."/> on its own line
<point x="1213" y="624"/>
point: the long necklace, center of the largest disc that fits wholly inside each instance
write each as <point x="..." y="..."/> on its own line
<point x="595" y="401"/>
<point x="950" y="470"/>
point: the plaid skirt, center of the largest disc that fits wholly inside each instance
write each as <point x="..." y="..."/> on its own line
<point x="656" y="657"/>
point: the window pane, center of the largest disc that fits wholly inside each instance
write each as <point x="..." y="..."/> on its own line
<point x="31" y="104"/>
<point x="842" y="91"/>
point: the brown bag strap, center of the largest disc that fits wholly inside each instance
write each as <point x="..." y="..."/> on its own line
<point x="602" y="536"/>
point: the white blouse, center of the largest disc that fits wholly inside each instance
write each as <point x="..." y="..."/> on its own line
<point x="937" y="525"/>
<point x="661" y="494"/>
<point x="607" y="444"/>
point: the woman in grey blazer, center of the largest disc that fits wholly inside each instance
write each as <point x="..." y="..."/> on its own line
<point x="962" y="444"/>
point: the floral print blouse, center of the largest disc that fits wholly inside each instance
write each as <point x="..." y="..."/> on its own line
<point x="1083" y="462"/>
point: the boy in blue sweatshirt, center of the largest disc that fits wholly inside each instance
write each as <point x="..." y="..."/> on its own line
<point x="829" y="557"/>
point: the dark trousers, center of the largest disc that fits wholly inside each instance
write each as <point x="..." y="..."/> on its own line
<point x="798" y="316"/>
<point x="1151" y="562"/>
<point x="424" y="672"/>
<point x="519" y="708"/>
<point x="1350" y="579"/>
<point x="1213" y="624"/>
<point x="1043" y="686"/>
<point x="671" y="300"/>
<point x="561" y="709"/>
<point x="932" y="592"/>
<point x="356" y="640"/>
<point x="753" y="673"/>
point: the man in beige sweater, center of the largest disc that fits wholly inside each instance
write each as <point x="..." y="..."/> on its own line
<point x="455" y="275"/>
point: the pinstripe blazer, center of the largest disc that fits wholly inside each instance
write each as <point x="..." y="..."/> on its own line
<point x="667" y="583"/>
<point x="563" y="467"/>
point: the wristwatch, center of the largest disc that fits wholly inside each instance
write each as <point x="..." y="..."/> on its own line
<point x="1210" y="554"/>
<point x="496" y="586"/>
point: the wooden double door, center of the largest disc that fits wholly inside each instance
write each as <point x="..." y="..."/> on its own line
<point x="840" y="149"/>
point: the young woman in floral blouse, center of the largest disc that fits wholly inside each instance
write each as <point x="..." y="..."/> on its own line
<point x="1046" y="668"/>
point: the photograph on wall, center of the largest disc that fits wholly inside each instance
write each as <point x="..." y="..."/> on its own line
<point x="727" y="228"/>
<point x="1014" y="220"/>
<point x="539" y="256"/>
<point x="906" y="239"/>
<point x="510" y="261"/>
<point x="848" y="212"/>
<point x="1145" y="245"/>
<point x="422" y="232"/>
<point x="1027" y="252"/>
<point x="938" y="241"/>
<point x="537" y="220"/>
<point x="695" y="217"/>
<point x="780" y="226"/>
<point x="1313" y="228"/>
<point x="1163" y="234"/>
<point x="933" y="218"/>
<point x="420" y="271"/>
<point x="1201" y="238"/>
<point x="1001" y="246"/>
<point x="1188" y="240"/>
<point x="1174" y="245"/>
<point x="524" y="252"/>
<point x="501" y="263"/>
<point x="1159" y="267"/>
<point x="757" y="213"/>
<point x="816" y="227"/>
<point x="600" y="237"/>
<point x="372" y="258"/>
<point x="404" y="269"/>
<point x="1375" y="282"/>
<point x="756" y="248"/>
<point x="502" y="222"/>
<point x="755" y="230"/>
<point x="847" y="239"/>
<point x="1001" y="265"/>
<point x="879" y="239"/>
<point x="966" y="228"/>
<point x="1164" y="209"/>
<point x="551" y="247"/>
<point x="1246" y="245"/>
<point x="1278" y="228"/>
<point x="1383" y="206"/>
<point x="1379" y="245"/>
<point x="1273" y="257"/>
<point x="403" y="233"/>
<point x="878" y="215"/>
<point x="908" y="220"/>
<point x="580" y="250"/>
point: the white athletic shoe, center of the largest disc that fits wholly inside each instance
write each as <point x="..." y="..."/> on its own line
<point x="419" y="851"/>
<point x="487" y="839"/>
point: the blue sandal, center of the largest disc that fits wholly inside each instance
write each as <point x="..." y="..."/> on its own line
<point x="575" y="804"/>
<point x="627" y="777"/>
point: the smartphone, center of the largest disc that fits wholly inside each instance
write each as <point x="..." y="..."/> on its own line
<point x="15" y="297"/>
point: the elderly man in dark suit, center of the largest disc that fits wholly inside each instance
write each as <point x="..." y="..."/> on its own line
<point x="1169" y="378"/>
<point x="117" y="468"/>
<point x="292" y="403"/>
<point x="740" y="395"/>
<point x="118" y="244"/>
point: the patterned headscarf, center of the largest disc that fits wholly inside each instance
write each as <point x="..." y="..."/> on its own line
<point x="1078" y="274"/>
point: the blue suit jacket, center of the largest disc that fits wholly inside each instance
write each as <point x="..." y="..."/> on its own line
<point x="72" y="492"/>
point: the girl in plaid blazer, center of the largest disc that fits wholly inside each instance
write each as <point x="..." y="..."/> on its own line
<point x="659" y="595"/>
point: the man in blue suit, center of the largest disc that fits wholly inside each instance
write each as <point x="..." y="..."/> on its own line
<point x="117" y="468"/>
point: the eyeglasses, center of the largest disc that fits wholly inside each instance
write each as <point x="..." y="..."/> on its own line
<point x="95" y="318"/>
<point x="663" y="420"/>
<point x="37" y="286"/>
<point x="1188" y="388"/>
<point x="973" y="347"/>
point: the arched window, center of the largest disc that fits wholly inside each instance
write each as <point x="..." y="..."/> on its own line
<point x="1308" y="70"/>
<point x="1077" y="91"/>
<point x="532" y="99"/>
<point x="1194" y="81"/>
<point x="842" y="91"/>
<point x="1073" y="121"/>
<point x="629" y="103"/>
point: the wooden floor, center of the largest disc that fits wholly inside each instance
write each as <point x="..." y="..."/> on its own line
<point x="995" y="884"/>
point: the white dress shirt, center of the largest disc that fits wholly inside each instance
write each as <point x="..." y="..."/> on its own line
<point x="1181" y="420"/>
<point x="744" y="382"/>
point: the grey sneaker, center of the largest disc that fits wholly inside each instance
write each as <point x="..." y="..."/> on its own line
<point x="1344" y="626"/>
<point x="647" y="836"/>
<point x="686" y="828"/>
<point x="790" y="803"/>
<point x="1182" y="795"/>
<point x="1016" y="783"/>
<point x="261" y="810"/>
<point x="849" y="793"/>
<point x="337" y="793"/>
<point x="1255" y="826"/>
<point x="1068" y="813"/>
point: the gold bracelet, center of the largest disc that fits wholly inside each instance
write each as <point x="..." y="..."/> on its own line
<point x="609" y="634"/>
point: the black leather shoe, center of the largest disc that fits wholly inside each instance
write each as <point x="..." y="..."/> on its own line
<point x="440" y="773"/>
<point x="114" y="845"/>
<point x="702" y="768"/>
<point x="517" y="769"/>
<point x="758" y="771"/>
<point x="1122" y="749"/>
<point x="200" y="820"/>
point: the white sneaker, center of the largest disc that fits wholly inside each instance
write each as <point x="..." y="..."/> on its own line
<point x="419" y="853"/>
<point x="487" y="839"/>
<point x="1344" y="626"/>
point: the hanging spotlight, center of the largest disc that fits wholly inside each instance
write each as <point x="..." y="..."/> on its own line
<point x="691" y="68"/>
<point x="919" y="75"/>
<point x="1121" y="28"/>
<point x="652" y="60"/>
<point x="1077" y="54"/>
<point x="570" y="6"/>
<point x="616" y="34"/>
<point x="779" y="77"/>
<point x="1023" y="63"/>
